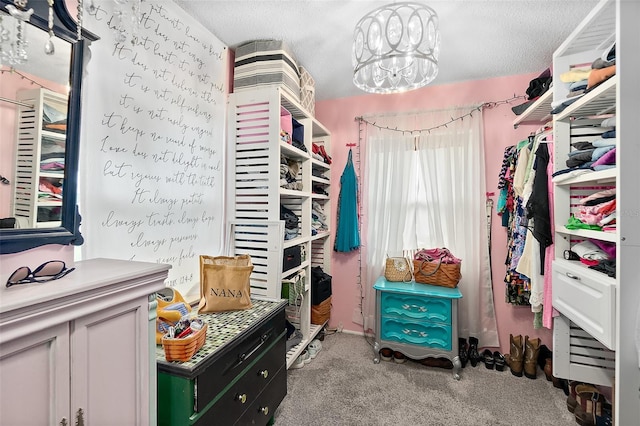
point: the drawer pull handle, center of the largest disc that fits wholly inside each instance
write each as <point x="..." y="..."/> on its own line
<point x="264" y="373"/>
<point x="573" y="277"/>
<point x="244" y="356"/>
<point x="418" y="332"/>
<point x="264" y="410"/>
<point x="408" y="307"/>
<point x="242" y="397"/>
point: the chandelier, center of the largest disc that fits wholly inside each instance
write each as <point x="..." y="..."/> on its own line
<point x="396" y="48"/>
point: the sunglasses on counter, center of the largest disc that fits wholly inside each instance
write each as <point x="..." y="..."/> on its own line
<point x="48" y="271"/>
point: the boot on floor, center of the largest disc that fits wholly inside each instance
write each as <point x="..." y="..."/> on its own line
<point x="531" y="352"/>
<point x="516" y="360"/>
<point x="473" y="355"/>
<point x="463" y="349"/>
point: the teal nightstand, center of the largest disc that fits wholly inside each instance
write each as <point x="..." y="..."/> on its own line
<point x="419" y="320"/>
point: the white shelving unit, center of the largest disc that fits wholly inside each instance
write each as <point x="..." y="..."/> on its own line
<point x="538" y="112"/>
<point x="255" y="195"/>
<point x="34" y="145"/>
<point x="595" y="335"/>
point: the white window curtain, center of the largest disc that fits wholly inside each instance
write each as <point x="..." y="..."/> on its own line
<point x="425" y="191"/>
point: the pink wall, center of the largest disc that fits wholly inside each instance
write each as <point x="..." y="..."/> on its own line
<point x="338" y="116"/>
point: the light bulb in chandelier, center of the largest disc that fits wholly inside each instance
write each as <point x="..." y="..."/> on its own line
<point x="49" y="47"/>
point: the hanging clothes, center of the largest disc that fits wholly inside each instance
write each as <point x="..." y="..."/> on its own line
<point x="348" y="232"/>
<point x="511" y="209"/>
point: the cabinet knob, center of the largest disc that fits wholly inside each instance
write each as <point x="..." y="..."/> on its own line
<point x="242" y="397"/>
<point x="264" y="410"/>
<point x="264" y="373"/>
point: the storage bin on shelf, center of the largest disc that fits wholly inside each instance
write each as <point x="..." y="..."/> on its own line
<point x="307" y="91"/>
<point x="261" y="63"/>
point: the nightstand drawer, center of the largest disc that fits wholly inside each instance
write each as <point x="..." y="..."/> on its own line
<point x="428" y="335"/>
<point x="416" y="307"/>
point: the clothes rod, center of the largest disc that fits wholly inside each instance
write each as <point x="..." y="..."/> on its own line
<point x="11" y="101"/>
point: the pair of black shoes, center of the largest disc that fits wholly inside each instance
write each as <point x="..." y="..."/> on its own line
<point x="468" y="353"/>
<point x="493" y="359"/>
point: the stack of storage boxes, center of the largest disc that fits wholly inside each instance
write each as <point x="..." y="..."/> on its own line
<point x="262" y="63"/>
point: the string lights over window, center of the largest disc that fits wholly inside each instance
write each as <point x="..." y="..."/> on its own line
<point x="396" y="48"/>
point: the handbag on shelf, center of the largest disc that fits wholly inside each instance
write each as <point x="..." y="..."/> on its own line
<point x="398" y="269"/>
<point x="437" y="266"/>
<point x="225" y="283"/>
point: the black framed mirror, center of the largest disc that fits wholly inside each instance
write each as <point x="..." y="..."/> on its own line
<point x="32" y="223"/>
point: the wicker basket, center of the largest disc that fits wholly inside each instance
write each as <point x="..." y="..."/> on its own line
<point x="437" y="273"/>
<point x="184" y="349"/>
<point x="397" y="269"/>
<point x="322" y="312"/>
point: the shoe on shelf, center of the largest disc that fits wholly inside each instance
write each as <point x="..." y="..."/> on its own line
<point x="327" y="158"/>
<point x="473" y="355"/>
<point x="298" y="363"/>
<point x="499" y="360"/>
<point x="386" y="354"/>
<point x="399" y="357"/>
<point x="487" y="358"/>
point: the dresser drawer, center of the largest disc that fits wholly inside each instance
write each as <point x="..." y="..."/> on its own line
<point x="587" y="298"/>
<point x="411" y="307"/>
<point x="230" y="365"/>
<point x="424" y="334"/>
<point x="244" y="391"/>
<point x="263" y="408"/>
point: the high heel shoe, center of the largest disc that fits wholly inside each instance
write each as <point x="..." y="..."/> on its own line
<point x="473" y="354"/>
<point x="327" y="158"/>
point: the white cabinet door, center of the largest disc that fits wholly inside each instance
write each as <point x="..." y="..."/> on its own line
<point x="109" y="359"/>
<point x="34" y="379"/>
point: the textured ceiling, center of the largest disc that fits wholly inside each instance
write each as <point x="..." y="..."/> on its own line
<point x="480" y="38"/>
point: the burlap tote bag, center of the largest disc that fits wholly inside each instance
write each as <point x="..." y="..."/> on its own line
<point x="224" y="283"/>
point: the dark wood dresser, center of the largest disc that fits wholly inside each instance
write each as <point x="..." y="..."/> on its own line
<point x="238" y="377"/>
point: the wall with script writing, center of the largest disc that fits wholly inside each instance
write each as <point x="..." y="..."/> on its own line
<point x="152" y="146"/>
